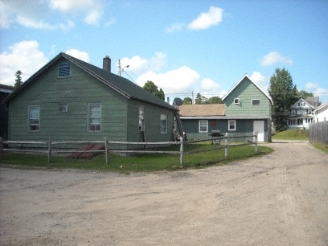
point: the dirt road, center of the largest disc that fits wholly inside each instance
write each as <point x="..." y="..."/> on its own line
<point x="278" y="199"/>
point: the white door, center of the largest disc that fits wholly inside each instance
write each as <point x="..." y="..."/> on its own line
<point x="259" y="128"/>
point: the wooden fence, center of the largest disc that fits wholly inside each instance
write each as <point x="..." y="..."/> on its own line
<point x="49" y="146"/>
<point x="318" y="132"/>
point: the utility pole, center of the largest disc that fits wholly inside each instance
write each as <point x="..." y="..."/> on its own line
<point x="120" y="68"/>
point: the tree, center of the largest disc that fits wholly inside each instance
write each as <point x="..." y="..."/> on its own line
<point x="283" y="93"/>
<point x="215" y="100"/>
<point x="18" y="80"/>
<point x="304" y="94"/>
<point x="187" y="100"/>
<point x="152" y="88"/>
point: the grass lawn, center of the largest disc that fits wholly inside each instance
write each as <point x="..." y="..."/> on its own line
<point x="292" y="135"/>
<point x="140" y="162"/>
<point x="320" y="146"/>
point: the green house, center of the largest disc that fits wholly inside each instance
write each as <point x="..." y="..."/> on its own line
<point x="246" y="109"/>
<point x="71" y="100"/>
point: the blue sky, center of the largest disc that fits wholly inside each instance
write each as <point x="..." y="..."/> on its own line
<point x="182" y="46"/>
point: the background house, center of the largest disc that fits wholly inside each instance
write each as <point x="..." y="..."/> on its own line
<point x="301" y="113"/>
<point x="321" y="113"/>
<point x="5" y="90"/>
<point x="69" y="99"/>
<point x="199" y="120"/>
<point x="248" y="109"/>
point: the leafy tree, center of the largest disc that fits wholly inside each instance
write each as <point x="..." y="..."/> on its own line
<point x="304" y="94"/>
<point x="283" y="93"/>
<point x="18" y="80"/>
<point x="215" y="100"/>
<point x="152" y="88"/>
<point x="187" y="100"/>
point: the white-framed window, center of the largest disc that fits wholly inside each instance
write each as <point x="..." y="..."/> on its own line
<point x="203" y="125"/>
<point x="256" y="102"/>
<point x="163" y="122"/>
<point x="232" y="126"/>
<point x="141" y="119"/>
<point x="94" y="110"/>
<point x="236" y="101"/>
<point x="64" y="70"/>
<point x="33" y="118"/>
<point x="62" y="108"/>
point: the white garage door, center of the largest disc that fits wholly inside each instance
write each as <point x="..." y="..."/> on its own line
<point x="259" y="128"/>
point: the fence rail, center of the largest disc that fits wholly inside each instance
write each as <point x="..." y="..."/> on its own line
<point x="318" y="132"/>
<point x="48" y="146"/>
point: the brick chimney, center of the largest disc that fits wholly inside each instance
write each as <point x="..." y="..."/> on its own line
<point x="107" y="64"/>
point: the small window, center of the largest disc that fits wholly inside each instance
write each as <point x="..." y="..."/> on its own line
<point x="62" y="108"/>
<point x="95" y="117"/>
<point x="256" y="102"/>
<point x="203" y="126"/>
<point x="163" y="123"/>
<point x="64" y="70"/>
<point x="141" y="119"/>
<point x="236" y="101"/>
<point x="232" y="125"/>
<point x="34" y="118"/>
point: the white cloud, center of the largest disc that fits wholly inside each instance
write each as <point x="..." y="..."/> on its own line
<point x="174" y="27"/>
<point x="69" y="5"/>
<point x="316" y="90"/>
<point x="92" y="10"/>
<point x="260" y="80"/>
<point x="209" y="85"/>
<point x="207" y="19"/>
<point x="24" y="56"/>
<point x="178" y="80"/>
<point x="31" y="15"/>
<point x="273" y="58"/>
<point x="78" y="54"/>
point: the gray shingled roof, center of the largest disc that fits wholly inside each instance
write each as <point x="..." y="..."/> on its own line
<point x="122" y="85"/>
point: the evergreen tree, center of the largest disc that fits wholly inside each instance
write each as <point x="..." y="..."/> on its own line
<point x="283" y="93"/>
<point x="18" y="80"/>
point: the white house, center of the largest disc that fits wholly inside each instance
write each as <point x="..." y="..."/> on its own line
<point x="301" y="113"/>
<point x="321" y="113"/>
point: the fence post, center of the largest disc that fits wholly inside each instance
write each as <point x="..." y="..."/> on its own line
<point x="226" y="145"/>
<point x="1" y="147"/>
<point x="106" y="150"/>
<point x="181" y="149"/>
<point x="49" y="150"/>
<point x="255" y="135"/>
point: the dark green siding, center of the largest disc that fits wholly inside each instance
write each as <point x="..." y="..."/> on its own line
<point x="77" y="91"/>
<point x="244" y="127"/>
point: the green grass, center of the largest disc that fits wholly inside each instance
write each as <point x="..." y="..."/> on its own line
<point x="320" y="146"/>
<point x="141" y="162"/>
<point x="291" y="135"/>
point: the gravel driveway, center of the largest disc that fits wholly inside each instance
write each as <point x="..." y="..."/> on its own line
<point x="278" y="199"/>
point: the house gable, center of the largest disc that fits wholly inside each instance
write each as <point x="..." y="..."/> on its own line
<point x="246" y="99"/>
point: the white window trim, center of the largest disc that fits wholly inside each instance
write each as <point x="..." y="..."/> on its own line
<point x="141" y="119"/>
<point x="28" y="118"/>
<point x="236" y="99"/>
<point x="199" y="125"/>
<point x="162" y="119"/>
<point x="235" y="125"/>
<point x="100" y="118"/>
<point x="62" y="108"/>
